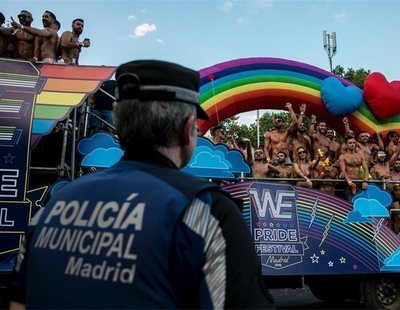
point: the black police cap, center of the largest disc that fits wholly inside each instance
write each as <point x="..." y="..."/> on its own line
<point x="158" y="80"/>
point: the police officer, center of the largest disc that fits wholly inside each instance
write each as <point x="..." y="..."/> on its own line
<point x="142" y="234"/>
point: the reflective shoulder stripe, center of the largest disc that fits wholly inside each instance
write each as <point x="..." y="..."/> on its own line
<point x="198" y="217"/>
<point x="36" y="218"/>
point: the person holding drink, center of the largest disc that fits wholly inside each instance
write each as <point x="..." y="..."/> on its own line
<point x="70" y="44"/>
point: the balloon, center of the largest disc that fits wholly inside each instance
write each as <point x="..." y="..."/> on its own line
<point x="382" y="97"/>
<point x="338" y="99"/>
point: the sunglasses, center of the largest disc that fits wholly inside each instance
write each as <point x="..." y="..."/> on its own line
<point x="258" y="153"/>
<point x="22" y="16"/>
<point x="301" y="152"/>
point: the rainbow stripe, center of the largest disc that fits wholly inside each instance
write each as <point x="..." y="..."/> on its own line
<point x="65" y="87"/>
<point x="248" y="84"/>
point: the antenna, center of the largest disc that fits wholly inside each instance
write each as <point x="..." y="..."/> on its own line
<point x="329" y="41"/>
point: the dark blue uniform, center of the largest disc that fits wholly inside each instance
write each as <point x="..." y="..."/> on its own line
<point x="140" y="235"/>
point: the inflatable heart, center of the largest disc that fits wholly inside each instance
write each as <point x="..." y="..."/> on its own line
<point x="338" y="99"/>
<point x="382" y="97"/>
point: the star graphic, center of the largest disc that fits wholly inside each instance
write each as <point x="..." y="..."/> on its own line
<point x="284" y="225"/>
<point x="322" y="252"/>
<point x="8" y="159"/>
<point x="271" y="224"/>
<point x="330" y="263"/>
<point x="278" y="225"/>
<point x="355" y="267"/>
<point x="264" y="224"/>
<point x="314" y="259"/>
<point x="258" y="224"/>
<point x="342" y="260"/>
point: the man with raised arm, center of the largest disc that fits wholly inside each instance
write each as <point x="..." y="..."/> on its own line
<point x="277" y="140"/>
<point x="48" y="34"/>
<point x="320" y="141"/>
<point x="70" y="44"/>
<point x="300" y="137"/>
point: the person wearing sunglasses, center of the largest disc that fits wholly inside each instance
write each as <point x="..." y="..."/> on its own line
<point x="23" y="40"/>
<point x="48" y="34"/>
<point x="260" y="168"/>
<point x="302" y="167"/>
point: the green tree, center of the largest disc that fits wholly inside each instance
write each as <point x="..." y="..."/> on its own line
<point x="232" y="126"/>
<point x="357" y="77"/>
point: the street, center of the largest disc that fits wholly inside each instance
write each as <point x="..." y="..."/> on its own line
<point x="304" y="299"/>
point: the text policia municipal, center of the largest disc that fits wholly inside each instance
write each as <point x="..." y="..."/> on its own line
<point x="86" y="237"/>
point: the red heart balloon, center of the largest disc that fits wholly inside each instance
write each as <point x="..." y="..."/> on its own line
<point x="382" y="97"/>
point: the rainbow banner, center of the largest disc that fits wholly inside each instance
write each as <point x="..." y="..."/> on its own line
<point x="248" y="84"/>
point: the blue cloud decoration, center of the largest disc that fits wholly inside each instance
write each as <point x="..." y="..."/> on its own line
<point x="216" y="161"/>
<point x="100" y="150"/>
<point x="370" y="203"/>
<point x="338" y="99"/>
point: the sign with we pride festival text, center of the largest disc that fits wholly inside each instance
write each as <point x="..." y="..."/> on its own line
<point x="274" y="225"/>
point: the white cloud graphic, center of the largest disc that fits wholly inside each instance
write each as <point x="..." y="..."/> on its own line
<point x="161" y="41"/>
<point x="131" y="17"/>
<point x="143" y="29"/>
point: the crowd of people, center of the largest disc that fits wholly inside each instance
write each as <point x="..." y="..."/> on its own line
<point x="22" y="41"/>
<point x="317" y="156"/>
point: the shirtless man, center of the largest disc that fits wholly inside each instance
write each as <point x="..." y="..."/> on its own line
<point x="320" y="141"/>
<point x="23" y="40"/>
<point x="70" y="44"/>
<point x="49" y="35"/>
<point x="381" y="170"/>
<point x="277" y="140"/>
<point x="392" y="141"/>
<point x="300" y="138"/>
<point x="334" y="146"/>
<point x="350" y="163"/>
<point x="260" y="168"/>
<point x="283" y="169"/>
<point x="395" y="189"/>
<point x="39" y="41"/>
<point x="368" y="149"/>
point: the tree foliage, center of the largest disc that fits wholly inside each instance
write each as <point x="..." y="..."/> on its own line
<point x="232" y="126"/>
<point x="357" y="77"/>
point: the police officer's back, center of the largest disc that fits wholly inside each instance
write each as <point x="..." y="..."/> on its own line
<point x="142" y="234"/>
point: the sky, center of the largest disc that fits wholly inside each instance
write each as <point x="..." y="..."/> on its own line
<point x="202" y="33"/>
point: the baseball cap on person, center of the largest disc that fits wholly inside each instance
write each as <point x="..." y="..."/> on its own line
<point x="25" y="13"/>
<point x="158" y="80"/>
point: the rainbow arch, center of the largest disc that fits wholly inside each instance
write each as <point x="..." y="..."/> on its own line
<point x="248" y="84"/>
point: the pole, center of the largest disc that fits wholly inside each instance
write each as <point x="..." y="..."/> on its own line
<point x="258" y="128"/>
<point x="329" y="43"/>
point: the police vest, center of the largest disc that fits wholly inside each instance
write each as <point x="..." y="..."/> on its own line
<point x="116" y="238"/>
